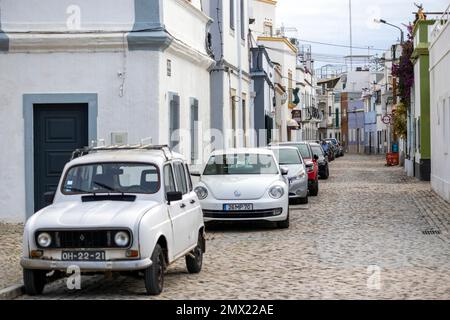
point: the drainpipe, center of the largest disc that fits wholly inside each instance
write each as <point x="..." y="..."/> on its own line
<point x="240" y="113"/>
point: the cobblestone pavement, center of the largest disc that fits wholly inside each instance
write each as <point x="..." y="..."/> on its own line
<point x="371" y="234"/>
<point x="10" y="251"/>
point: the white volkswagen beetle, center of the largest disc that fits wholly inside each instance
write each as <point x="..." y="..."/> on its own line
<point x="117" y="209"/>
<point x="243" y="185"/>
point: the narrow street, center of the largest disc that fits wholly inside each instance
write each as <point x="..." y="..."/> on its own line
<point x="366" y="215"/>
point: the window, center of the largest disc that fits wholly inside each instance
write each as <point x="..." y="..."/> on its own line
<point x="243" y="19"/>
<point x="241" y="164"/>
<point x="189" y="180"/>
<point x="232" y="15"/>
<point x="169" y="183"/>
<point x="180" y="177"/>
<point x="169" y="67"/>
<point x="287" y="156"/>
<point x="112" y="177"/>
<point x="174" y="122"/>
<point x="244" y="121"/>
<point x="194" y="130"/>
<point x="268" y="29"/>
<point x="233" y="119"/>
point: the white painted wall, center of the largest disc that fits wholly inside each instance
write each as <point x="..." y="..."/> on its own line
<point x="53" y="15"/>
<point x="440" y="112"/>
<point x="263" y="13"/>
<point x="24" y="73"/>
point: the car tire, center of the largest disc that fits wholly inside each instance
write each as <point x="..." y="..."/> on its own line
<point x="315" y="189"/>
<point x="194" y="260"/>
<point x="154" y="275"/>
<point x="34" y="281"/>
<point x="284" y="224"/>
<point x="304" y="200"/>
<point x="327" y="174"/>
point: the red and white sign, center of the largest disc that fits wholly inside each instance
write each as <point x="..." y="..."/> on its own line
<point x="386" y="119"/>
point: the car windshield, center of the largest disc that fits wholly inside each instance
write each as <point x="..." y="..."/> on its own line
<point x="287" y="156"/>
<point x="317" y="150"/>
<point x="241" y="164"/>
<point x="112" y="178"/>
<point x="333" y="141"/>
<point x="304" y="150"/>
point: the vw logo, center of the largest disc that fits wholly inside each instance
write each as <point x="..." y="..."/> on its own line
<point x="82" y="237"/>
<point x="237" y="193"/>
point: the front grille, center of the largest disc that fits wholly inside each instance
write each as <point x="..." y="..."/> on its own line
<point x="242" y="214"/>
<point x="85" y="239"/>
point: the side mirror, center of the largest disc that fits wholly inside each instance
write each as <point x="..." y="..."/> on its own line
<point x="196" y="173"/>
<point x="284" y="171"/>
<point x="316" y="157"/>
<point x="49" y="197"/>
<point x="174" y="196"/>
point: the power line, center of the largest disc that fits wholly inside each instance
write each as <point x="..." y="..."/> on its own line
<point x="341" y="45"/>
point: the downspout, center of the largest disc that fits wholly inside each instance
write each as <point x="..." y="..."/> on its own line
<point x="241" y="136"/>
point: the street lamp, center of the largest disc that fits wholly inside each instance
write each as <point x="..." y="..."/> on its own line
<point x="402" y="34"/>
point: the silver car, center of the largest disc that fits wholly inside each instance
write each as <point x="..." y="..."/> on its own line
<point x="291" y="159"/>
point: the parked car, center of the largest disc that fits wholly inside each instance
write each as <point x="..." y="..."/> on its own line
<point x="244" y="185"/>
<point x="324" y="170"/>
<point x="338" y="147"/>
<point x="117" y="209"/>
<point x="291" y="158"/>
<point x="329" y="150"/>
<point x="310" y="162"/>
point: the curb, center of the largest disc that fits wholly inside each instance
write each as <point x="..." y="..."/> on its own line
<point x="11" y="292"/>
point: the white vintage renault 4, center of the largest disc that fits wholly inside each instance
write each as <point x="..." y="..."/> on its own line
<point x="117" y="209"/>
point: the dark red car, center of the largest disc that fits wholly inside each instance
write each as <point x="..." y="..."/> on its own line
<point x="311" y="165"/>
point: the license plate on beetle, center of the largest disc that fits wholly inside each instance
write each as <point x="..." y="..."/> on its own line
<point x="238" y="207"/>
<point x="83" y="256"/>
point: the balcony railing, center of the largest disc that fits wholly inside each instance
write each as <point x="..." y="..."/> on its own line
<point x="441" y="23"/>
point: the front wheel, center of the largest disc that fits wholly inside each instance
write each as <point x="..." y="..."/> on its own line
<point x="315" y="189"/>
<point x="154" y="275"/>
<point x="34" y="281"/>
<point x="194" y="260"/>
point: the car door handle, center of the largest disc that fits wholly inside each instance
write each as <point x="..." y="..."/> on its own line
<point x="192" y="201"/>
<point x="182" y="206"/>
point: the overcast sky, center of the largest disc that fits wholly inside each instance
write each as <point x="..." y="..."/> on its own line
<point x="328" y="21"/>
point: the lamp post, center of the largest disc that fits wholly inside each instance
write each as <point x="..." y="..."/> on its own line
<point x="402" y="34"/>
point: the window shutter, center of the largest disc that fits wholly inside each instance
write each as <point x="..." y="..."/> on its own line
<point x="194" y="130"/>
<point x="174" y="126"/>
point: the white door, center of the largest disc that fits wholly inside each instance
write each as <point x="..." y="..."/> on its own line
<point x="182" y="217"/>
<point x="175" y="210"/>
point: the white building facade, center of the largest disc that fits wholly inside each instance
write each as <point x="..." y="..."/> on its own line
<point x="440" y="106"/>
<point x="231" y="104"/>
<point x="74" y="72"/>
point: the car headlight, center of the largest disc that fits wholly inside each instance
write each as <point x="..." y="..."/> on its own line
<point x="276" y="192"/>
<point x="122" y="239"/>
<point x="44" y="240"/>
<point x="202" y="192"/>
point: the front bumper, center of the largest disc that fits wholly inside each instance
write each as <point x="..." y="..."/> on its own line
<point x="87" y="266"/>
<point x="263" y="209"/>
<point x="298" y="188"/>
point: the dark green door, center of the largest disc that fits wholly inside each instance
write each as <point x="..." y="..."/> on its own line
<point x="58" y="131"/>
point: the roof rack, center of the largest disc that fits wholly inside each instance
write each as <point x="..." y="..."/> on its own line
<point x="87" y="150"/>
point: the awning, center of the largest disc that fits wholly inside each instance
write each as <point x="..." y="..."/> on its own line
<point x="291" y="123"/>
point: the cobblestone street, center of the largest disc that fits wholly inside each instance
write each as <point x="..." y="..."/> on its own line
<point x="366" y="215"/>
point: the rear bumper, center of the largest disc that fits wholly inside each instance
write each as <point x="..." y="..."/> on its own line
<point x="90" y="266"/>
